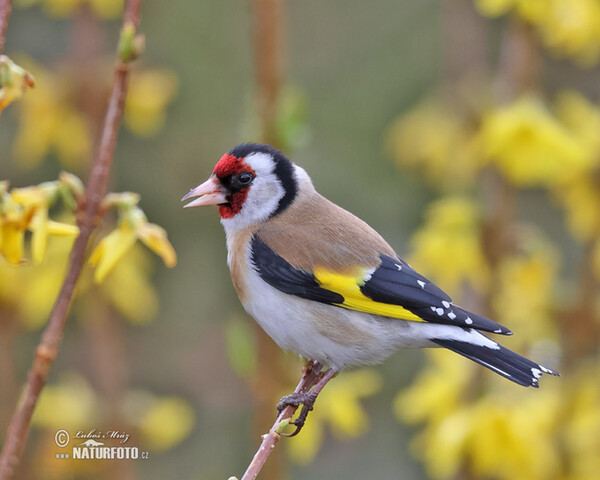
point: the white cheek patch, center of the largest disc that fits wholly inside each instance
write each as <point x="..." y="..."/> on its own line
<point x="263" y="196"/>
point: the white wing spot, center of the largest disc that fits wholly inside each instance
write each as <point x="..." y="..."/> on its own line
<point x="433" y="309"/>
<point x="498" y="331"/>
<point x="399" y="266"/>
<point x="439" y="311"/>
<point x="468" y="320"/>
<point x="422" y="283"/>
<point x="537" y="373"/>
<point x="451" y="315"/>
<point x="445" y="304"/>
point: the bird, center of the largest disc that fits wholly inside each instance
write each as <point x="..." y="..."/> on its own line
<point x="325" y="285"/>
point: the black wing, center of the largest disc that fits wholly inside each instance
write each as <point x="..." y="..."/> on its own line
<point x="394" y="282"/>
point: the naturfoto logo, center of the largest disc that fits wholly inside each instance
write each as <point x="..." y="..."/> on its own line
<point x="94" y="446"/>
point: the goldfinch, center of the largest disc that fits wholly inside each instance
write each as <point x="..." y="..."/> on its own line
<point x="325" y="285"/>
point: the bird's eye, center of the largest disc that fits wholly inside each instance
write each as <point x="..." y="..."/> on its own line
<point x="245" y="178"/>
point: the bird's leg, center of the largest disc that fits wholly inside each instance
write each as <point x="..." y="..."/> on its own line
<point x="306" y="399"/>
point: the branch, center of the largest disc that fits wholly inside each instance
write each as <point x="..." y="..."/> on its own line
<point x="47" y="350"/>
<point x="310" y="376"/>
<point x="267" y="23"/>
<point x="267" y="33"/>
<point x="5" y="8"/>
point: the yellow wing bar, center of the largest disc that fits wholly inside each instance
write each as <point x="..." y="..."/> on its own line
<point x="348" y="286"/>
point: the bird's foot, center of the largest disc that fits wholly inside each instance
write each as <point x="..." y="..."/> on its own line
<point x="306" y="399"/>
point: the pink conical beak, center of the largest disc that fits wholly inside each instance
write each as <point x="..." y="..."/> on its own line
<point x="210" y="192"/>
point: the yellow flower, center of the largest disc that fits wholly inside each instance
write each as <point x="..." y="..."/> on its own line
<point x="582" y="425"/>
<point x="529" y="146"/>
<point x="150" y="93"/>
<point x="438" y="390"/>
<point x="128" y="287"/>
<point x="38" y="200"/>
<point x="107" y="9"/>
<point x="49" y="122"/>
<point x="33" y="303"/>
<point x="580" y="198"/>
<point x="14" y="220"/>
<point x="572" y="28"/>
<point x="489" y="434"/>
<point x="502" y="432"/>
<point x="530" y="10"/>
<point x="524" y="298"/>
<point x="448" y="246"/>
<point x="583" y="120"/>
<point x="61" y="8"/>
<point x="14" y="80"/>
<point x="133" y="225"/>
<point x="155" y="238"/>
<point x="566" y="27"/>
<point x="495" y="8"/>
<point x="69" y="404"/>
<point x="111" y="249"/>
<point x="163" y="421"/>
<point x="435" y="138"/>
<point x="339" y="406"/>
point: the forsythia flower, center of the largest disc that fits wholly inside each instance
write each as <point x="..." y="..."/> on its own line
<point x="491" y="435"/>
<point x="33" y="303"/>
<point x="107" y="8"/>
<point x="572" y="28"/>
<point x="529" y="146"/>
<point x="48" y="122"/>
<point x="438" y="391"/>
<point x="339" y="405"/>
<point x="129" y="289"/>
<point x="70" y="404"/>
<point x="133" y="226"/>
<point x="526" y="286"/>
<point x="27" y="209"/>
<point x="39" y="199"/>
<point x="580" y="198"/>
<point x="582" y="118"/>
<point x="566" y="27"/>
<point x="163" y="421"/>
<point x="436" y="138"/>
<point x="13" y="223"/>
<point x="150" y="93"/>
<point x="448" y="246"/>
<point x="14" y="80"/>
<point x="582" y="429"/>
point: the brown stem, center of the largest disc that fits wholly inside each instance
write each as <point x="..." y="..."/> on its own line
<point x="519" y="64"/>
<point x="267" y="20"/>
<point x="266" y="29"/>
<point x="581" y="330"/>
<point x="310" y="376"/>
<point x="47" y="350"/>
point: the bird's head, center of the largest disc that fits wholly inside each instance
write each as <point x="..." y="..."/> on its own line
<point x="249" y="184"/>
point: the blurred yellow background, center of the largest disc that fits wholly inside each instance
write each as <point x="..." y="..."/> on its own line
<point x="466" y="133"/>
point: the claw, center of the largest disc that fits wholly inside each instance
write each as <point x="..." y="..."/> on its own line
<point x="296" y="399"/>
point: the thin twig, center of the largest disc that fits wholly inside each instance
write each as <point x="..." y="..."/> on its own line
<point x="310" y="376"/>
<point x="5" y="8"/>
<point x="47" y="350"/>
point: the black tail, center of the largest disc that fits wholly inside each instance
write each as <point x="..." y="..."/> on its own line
<point x="501" y="360"/>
